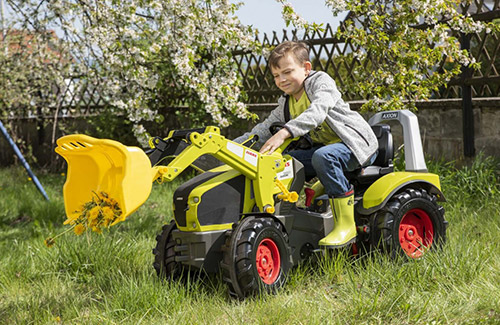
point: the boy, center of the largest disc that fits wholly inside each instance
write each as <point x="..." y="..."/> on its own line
<point x="343" y="140"/>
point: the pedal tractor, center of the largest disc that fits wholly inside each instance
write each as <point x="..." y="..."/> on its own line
<point x="241" y="218"/>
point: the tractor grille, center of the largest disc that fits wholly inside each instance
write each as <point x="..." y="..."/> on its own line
<point x="181" y="195"/>
<point x="223" y="203"/>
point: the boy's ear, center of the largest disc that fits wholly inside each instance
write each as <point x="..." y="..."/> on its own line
<point x="307" y="67"/>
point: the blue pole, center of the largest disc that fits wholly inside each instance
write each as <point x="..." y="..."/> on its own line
<point x="23" y="161"/>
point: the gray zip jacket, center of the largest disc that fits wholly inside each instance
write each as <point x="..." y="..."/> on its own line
<point x="326" y="105"/>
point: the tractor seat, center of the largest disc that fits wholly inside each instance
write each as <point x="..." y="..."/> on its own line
<point x="383" y="164"/>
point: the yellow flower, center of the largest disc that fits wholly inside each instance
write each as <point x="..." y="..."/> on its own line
<point x="92" y="223"/>
<point x="49" y="242"/>
<point x="108" y="216"/>
<point x="108" y="213"/>
<point x="97" y="229"/>
<point x="79" y="229"/>
<point x="101" y="211"/>
<point x="94" y="213"/>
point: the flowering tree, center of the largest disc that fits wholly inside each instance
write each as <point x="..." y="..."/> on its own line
<point x="151" y="54"/>
<point x="33" y="71"/>
<point x="404" y="41"/>
<point x="33" y="63"/>
<point x="145" y="55"/>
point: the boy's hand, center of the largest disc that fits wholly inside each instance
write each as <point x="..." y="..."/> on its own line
<point x="275" y="141"/>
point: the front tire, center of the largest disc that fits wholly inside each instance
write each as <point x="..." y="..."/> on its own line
<point x="164" y="262"/>
<point x="256" y="257"/>
<point x="410" y="224"/>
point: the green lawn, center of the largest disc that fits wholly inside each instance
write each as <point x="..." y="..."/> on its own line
<point x="109" y="278"/>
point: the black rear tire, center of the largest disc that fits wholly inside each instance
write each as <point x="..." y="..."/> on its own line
<point x="409" y="225"/>
<point x="256" y="257"/>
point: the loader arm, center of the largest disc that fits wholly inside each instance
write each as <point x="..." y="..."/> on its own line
<point x="126" y="173"/>
<point x="262" y="169"/>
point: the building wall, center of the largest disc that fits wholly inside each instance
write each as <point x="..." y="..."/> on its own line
<point x="441" y="129"/>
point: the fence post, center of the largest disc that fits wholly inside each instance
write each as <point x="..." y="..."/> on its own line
<point x="467" y="112"/>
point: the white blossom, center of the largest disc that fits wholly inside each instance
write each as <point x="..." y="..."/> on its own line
<point x="337" y="6"/>
<point x="180" y="34"/>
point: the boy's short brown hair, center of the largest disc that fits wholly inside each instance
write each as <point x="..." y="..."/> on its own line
<point x="300" y="51"/>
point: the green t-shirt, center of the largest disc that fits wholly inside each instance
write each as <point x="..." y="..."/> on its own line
<point x="323" y="133"/>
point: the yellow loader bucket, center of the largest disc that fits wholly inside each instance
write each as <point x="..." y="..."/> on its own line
<point x="96" y="165"/>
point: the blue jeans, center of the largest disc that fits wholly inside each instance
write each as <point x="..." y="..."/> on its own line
<point x="329" y="163"/>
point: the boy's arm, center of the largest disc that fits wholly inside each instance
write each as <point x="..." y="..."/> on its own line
<point x="262" y="129"/>
<point x="275" y="141"/>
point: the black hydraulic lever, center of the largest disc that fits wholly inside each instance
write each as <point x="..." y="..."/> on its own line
<point x="164" y="148"/>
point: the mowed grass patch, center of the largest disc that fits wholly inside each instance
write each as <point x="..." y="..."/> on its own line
<point x="109" y="278"/>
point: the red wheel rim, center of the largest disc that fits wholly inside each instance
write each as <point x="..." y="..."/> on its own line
<point x="416" y="232"/>
<point x="268" y="261"/>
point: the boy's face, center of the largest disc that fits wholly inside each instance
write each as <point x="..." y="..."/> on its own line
<point x="290" y="75"/>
